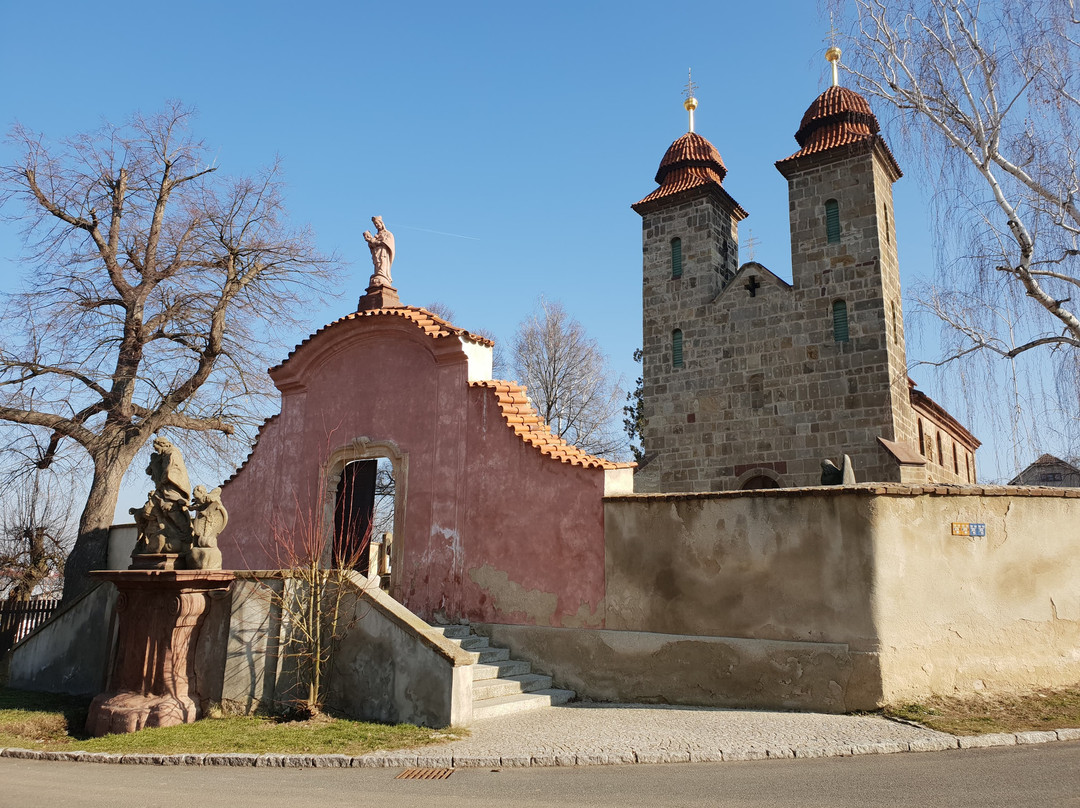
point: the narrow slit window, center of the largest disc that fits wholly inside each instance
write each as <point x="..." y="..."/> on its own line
<point x="885" y="210"/>
<point x="839" y="321"/>
<point x="676" y="348"/>
<point x="676" y="258"/>
<point x="940" y="454"/>
<point x="832" y="221"/>
<point x="922" y="440"/>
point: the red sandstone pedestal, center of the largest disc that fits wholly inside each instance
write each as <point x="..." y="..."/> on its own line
<point x="159" y="613"/>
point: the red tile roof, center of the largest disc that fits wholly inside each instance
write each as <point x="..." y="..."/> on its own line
<point x="690" y="162"/>
<point x="837" y="118"/>
<point x="431" y="324"/>
<point x="691" y="150"/>
<point x="527" y="424"/>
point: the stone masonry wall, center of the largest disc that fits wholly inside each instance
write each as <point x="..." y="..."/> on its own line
<point x="765" y="389"/>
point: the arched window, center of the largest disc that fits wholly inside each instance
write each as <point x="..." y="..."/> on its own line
<point x="922" y="440"/>
<point x="839" y="321"/>
<point x="676" y="349"/>
<point x="940" y="454"/>
<point x="832" y="221"/>
<point x="676" y="258"/>
<point x="955" y="461"/>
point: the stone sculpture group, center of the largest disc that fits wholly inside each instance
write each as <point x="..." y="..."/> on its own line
<point x="170" y="537"/>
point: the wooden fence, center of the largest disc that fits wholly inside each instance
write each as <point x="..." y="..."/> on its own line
<point x="19" y="617"/>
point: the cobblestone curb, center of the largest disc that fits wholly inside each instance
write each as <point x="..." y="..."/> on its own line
<point x="407" y="760"/>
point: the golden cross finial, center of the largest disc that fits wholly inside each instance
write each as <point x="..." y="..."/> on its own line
<point x="832" y="55"/>
<point x="690" y="104"/>
<point x="749" y="244"/>
<point x="832" y="33"/>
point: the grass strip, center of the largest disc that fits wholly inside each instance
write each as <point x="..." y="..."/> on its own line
<point x="1044" y="709"/>
<point x="50" y="722"/>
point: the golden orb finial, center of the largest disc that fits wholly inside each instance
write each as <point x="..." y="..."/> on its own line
<point x="832" y="56"/>
<point x="691" y="103"/>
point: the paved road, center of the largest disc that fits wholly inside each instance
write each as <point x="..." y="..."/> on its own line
<point x="1047" y="774"/>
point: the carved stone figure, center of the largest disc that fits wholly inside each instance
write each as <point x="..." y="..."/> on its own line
<point x="831" y="475"/>
<point x="170" y="497"/>
<point x="210" y="519"/>
<point x="382" y="252"/>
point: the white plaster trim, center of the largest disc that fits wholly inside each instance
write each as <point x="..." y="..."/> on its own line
<point x="479" y="358"/>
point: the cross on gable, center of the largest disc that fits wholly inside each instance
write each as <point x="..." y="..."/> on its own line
<point x="752" y="286"/>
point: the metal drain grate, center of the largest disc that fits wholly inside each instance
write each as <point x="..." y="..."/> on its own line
<point x="424" y="774"/>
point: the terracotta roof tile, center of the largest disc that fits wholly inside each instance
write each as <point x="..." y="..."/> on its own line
<point x="691" y="150"/>
<point x="431" y="324"/>
<point x="690" y="162"/>
<point x="838" y="118"/>
<point x="254" y="443"/>
<point x="530" y="427"/>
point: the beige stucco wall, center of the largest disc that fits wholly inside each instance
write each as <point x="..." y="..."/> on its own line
<point x="872" y="571"/>
<point x="777" y="566"/>
<point x="961" y="614"/>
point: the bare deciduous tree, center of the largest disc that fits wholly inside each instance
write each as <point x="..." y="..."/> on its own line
<point x="36" y="533"/>
<point x="568" y="380"/>
<point x="155" y="286"/>
<point x="990" y="93"/>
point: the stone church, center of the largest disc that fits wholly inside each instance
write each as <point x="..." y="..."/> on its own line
<point x="751" y="381"/>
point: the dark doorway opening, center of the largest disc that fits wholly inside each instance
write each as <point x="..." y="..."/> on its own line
<point x="760" y="481"/>
<point x="364" y="513"/>
<point x="354" y="513"/>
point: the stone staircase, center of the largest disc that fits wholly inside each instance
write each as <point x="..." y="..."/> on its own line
<point x="502" y="685"/>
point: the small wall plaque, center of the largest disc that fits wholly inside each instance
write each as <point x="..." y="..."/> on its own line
<point x="969" y="528"/>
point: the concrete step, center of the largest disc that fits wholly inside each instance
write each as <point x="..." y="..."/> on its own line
<point x="507" y="686"/>
<point x="505" y="705"/>
<point x="454" y="632"/>
<point x="473" y="643"/>
<point x="509" y="667"/>
<point x="490" y="654"/>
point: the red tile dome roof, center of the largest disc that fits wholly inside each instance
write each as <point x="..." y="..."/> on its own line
<point x="694" y="152"/>
<point x="690" y="162"/>
<point x="838" y="117"/>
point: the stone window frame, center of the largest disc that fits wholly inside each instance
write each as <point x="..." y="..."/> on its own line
<point x="832" y="221"/>
<point x="365" y="448"/>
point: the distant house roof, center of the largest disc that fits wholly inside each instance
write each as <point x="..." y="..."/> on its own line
<point x="1044" y="465"/>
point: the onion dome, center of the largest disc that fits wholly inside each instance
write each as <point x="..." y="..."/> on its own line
<point x="691" y="162"/>
<point x="838" y="118"/>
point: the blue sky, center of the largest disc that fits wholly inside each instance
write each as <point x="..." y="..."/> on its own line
<point x="503" y="143"/>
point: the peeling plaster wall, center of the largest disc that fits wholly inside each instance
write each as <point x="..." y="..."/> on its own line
<point x="963" y="614"/>
<point x="641" y="667"/>
<point x="778" y="567"/>
<point x="871" y="569"/>
<point x="492" y="528"/>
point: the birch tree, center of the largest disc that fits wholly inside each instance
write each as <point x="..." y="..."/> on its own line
<point x="153" y="286"/>
<point x="988" y="93"/>
<point x="569" y="381"/>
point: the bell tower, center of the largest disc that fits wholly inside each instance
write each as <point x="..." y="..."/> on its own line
<point x="845" y="273"/>
<point x="690" y="252"/>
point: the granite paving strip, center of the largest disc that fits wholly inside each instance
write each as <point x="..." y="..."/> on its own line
<point x="585" y="734"/>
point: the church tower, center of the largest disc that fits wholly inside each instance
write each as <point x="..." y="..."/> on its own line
<point x="845" y="273"/>
<point x="690" y="252"/>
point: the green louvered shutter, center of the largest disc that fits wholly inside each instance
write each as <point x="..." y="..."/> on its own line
<point x="676" y="258"/>
<point x="676" y="348"/>
<point x="832" y="221"/>
<point x="839" y="321"/>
